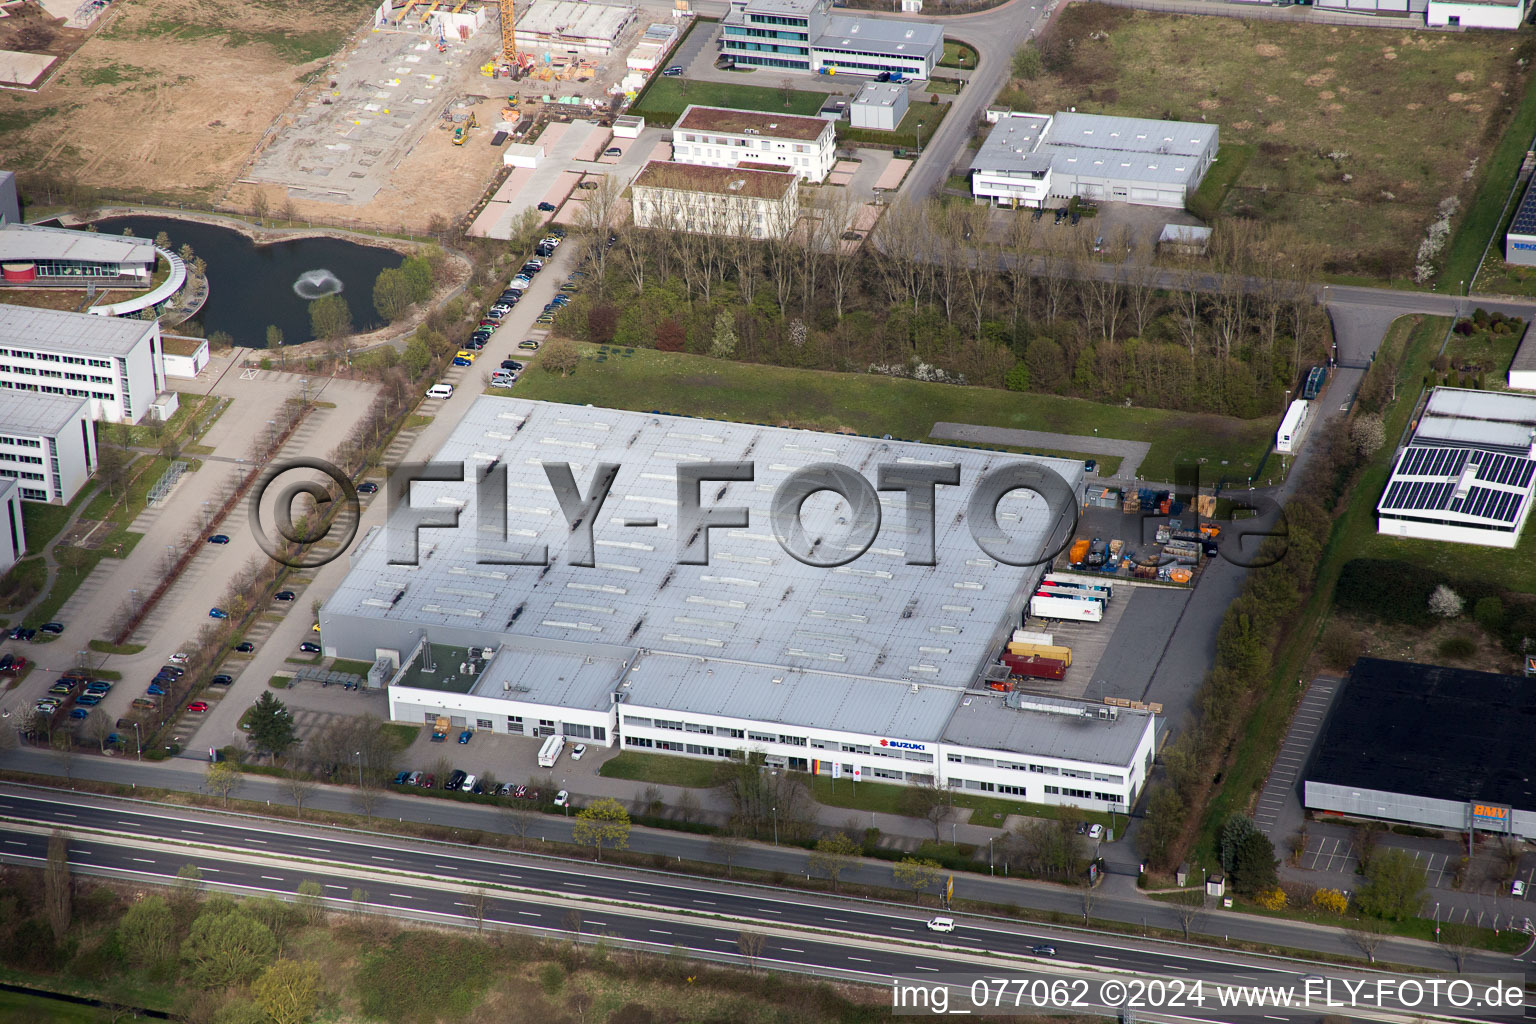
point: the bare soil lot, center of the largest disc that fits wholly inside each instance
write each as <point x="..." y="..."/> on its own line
<point x="168" y="98"/>
<point x="1355" y="135"/>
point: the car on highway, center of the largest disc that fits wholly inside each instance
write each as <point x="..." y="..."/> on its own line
<point x="531" y="345"/>
<point x="217" y="613"/>
<point x="466" y="736"/>
<point x="285" y="595"/>
<point x="402" y="778"/>
<point x="222" y="679"/>
<point x="562" y="799"/>
<point x="1517" y="889"/>
<point x="198" y="706"/>
<point x="309" y="647"/>
<point x="245" y="646"/>
<point x="155" y="690"/>
<point x="577" y="751"/>
<point x="1043" y="950"/>
<point x="941" y="924"/>
<point x="55" y="628"/>
<point x="367" y="487"/>
<point x="546" y="207"/>
<point x="219" y="538"/>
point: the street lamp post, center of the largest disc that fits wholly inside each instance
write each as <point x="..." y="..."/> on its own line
<point x="359" y="755"/>
<point x="991" y="865"/>
<point x="919" y="134"/>
<point x="775" y="826"/>
<point x="953" y="827"/>
<point x="138" y="740"/>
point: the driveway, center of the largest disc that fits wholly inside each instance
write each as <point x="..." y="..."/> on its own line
<point x="1131" y="453"/>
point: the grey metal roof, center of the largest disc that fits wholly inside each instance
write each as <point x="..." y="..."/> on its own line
<point x="880" y="35"/>
<point x="1048" y="727"/>
<point x="569" y="19"/>
<point x="25" y="242"/>
<point x="764" y="693"/>
<point x="1013" y="145"/>
<point x="34" y="414"/>
<point x="51" y="330"/>
<point x="554" y="672"/>
<point x="1525" y="355"/>
<point x="796" y="7"/>
<point x="1130" y="134"/>
<point x="880" y="94"/>
<point x="1478" y="418"/>
<point x="876" y="616"/>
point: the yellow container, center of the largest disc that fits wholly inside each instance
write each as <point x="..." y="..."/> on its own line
<point x="1057" y="653"/>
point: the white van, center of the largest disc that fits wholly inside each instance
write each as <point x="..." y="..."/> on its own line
<point x="941" y="924"/>
<point x="440" y="391"/>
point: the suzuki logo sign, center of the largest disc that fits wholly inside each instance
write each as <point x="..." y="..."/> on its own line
<point x="903" y="745"/>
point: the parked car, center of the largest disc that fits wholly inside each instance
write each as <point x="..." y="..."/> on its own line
<point x="613" y="151"/>
<point x="1096" y="832"/>
<point x="675" y="71"/>
<point x="179" y="658"/>
<point x="552" y="240"/>
<point x="245" y="646"/>
<point x="78" y="713"/>
<point x="577" y="751"/>
<point x="587" y="185"/>
<point x="464" y="737"/>
<point x="455" y="779"/>
<point x="852" y="236"/>
<point x="309" y="647"/>
<point x="1089" y="465"/>
<point x="175" y="671"/>
<point x="428" y="781"/>
<point x="440" y="391"/>
<point x="88" y="700"/>
<point x="100" y="687"/>
<point x="506" y="364"/>
<point x="367" y="487"/>
<point x="1517" y="889"/>
<point x="145" y="702"/>
<point x="503" y="382"/>
<point x="217" y="613"/>
<point x="468" y="784"/>
<point x="519" y="791"/>
<point x="941" y="924"/>
<point x="414" y="778"/>
<point x="522" y="281"/>
<point x="221" y="680"/>
<point x="54" y="628"/>
<point x="198" y="705"/>
<point x="531" y="345"/>
<point x="463" y="358"/>
<point x="285" y="595"/>
<point x="402" y="778"/>
<point x="561" y="299"/>
<point x="155" y="690"/>
<point x="546" y="207"/>
<point x="562" y="799"/>
<point x="219" y="538"/>
<point x="544" y="319"/>
<point x="63" y="689"/>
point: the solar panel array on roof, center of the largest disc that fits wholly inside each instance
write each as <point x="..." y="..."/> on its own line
<point x="1430" y="479"/>
<point x="1525" y="217"/>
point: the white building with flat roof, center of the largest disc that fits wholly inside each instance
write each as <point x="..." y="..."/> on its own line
<point x="13" y="532"/>
<point x="1031" y="159"/>
<point x="47" y="444"/>
<point x="734" y="202"/>
<point x="801" y="35"/>
<point x="875" y="665"/>
<point x="114" y="362"/>
<point x="722" y="137"/>
<point x="560" y="27"/>
<point x="879" y="105"/>
<point x="1468" y="472"/>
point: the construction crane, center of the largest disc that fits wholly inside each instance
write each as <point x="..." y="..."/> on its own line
<point x="508" y="32"/>
<point x="428" y="12"/>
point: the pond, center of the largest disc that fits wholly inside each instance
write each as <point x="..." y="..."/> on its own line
<point x="252" y="286"/>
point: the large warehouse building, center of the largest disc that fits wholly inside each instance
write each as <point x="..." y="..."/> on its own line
<point x="1467" y="473"/>
<point x="874" y="666"/>
<point x="559" y="27"/>
<point x="1030" y="159"/>
<point x="1520" y="237"/>
<point x="1438" y="747"/>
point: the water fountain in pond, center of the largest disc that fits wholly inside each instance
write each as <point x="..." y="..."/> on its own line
<point x="315" y="284"/>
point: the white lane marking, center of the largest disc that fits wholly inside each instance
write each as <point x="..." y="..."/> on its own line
<point x="657" y="931"/>
<point x="1269" y="1017"/>
<point x="506" y="875"/>
<point x="14" y="842"/>
<point x="328" y="885"/>
<point x="894" y="928"/>
<point x="730" y="942"/>
<point x="577" y="885"/>
<point x="707" y="903"/>
<point x="1114" y="959"/>
<point x="141" y="860"/>
<point x="788" y="949"/>
<point x="376" y="856"/>
<point x="446" y="867"/>
<point x="1175" y="967"/>
<point x="263" y="842"/>
<point x="529" y="913"/>
<point x="317" y="849"/>
<point x="191" y="832"/>
<point x="212" y="869"/>
<point x="920" y="967"/>
<point x="66" y="814"/>
<point x="861" y="959"/>
<point x="271" y="878"/>
<point x="770" y="910"/>
<point x="463" y="904"/>
<point x="401" y="896"/>
<point x="838" y="920"/>
<point x="634" y="893"/>
<point x="598" y="924"/>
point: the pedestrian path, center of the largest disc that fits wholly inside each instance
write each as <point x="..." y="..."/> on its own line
<point x="1279" y="809"/>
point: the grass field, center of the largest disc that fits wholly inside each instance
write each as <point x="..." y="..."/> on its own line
<point x="1483" y="219"/>
<point x="16" y="1008"/>
<point x="660" y="769"/>
<point x="907" y="409"/>
<point x="1358" y="133"/>
<point x="907" y="134"/>
<point x="885" y="798"/>
<point x="666" y="98"/>
<point x="957" y="55"/>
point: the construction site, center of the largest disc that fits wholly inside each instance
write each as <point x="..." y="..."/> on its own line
<point x="411" y="120"/>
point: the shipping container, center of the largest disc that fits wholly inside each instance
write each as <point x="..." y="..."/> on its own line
<point x="1103" y="590"/>
<point x="1061" y="654"/>
<point x="1079" y="551"/>
<point x="1024" y="636"/>
<point x="1035" y="668"/>
<point x="1067" y="590"/>
<point x="1047" y="606"/>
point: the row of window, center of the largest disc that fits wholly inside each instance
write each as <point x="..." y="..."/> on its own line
<point x="1083" y="794"/>
<point x="739" y="45"/>
<point x="773" y="62"/>
<point x="21" y="474"/>
<point x="763" y="33"/>
<point x="49" y="389"/>
<point x="774" y="19"/>
<point x="33" y="494"/>
<point x="21" y="442"/>
<point x="28" y="371"/>
<point x="988" y="787"/>
<point x="1039" y="769"/>
<point x="30" y="460"/>
<point x="54" y="357"/>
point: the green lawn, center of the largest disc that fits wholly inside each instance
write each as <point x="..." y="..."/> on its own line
<point x="16" y="1008"/>
<point x="907" y="134"/>
<point x="42" y="523"/>
<point x="885" y="798"/>
<point x="660" y="768"/>
<point x="666" y="98"/>
<point x="1482" y="218"/>
<point x="103" y="647"/>
<point x="957" y="55"/>
<point x="355" y="667"/>
<point x="405" y="734"/>
<point x="907" y="409"/>
<point x="1218" y="180"/>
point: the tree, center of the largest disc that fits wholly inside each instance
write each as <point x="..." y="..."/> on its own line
<point x="787" y="85"/>
<point x="57" y="885"/>
<point x="1027" y="63"/>
<point x="1367" y="838"/>
<point x="1367" y="435"/>
<point x="602" y="321"/>
<point x="393" y="294"/>
<point x="727" y="847"/>
<point x="188" y="890"/>
<point x="227" y="947"/>
<point x="299" y="786"/>
<point x="1459" y="940"/>
<point x="259" y="206"/>
<point x="750" y="945"/>
<point x="477" y="903"/>
<point x="834" y="855"/>
<point x="1394" y="887"/>
<point x="1189" y="906"/>
<point x="1253" y="865"/>
<point x="917" y="875"/>
<point x="724" y="344"/>
<point x="602" y="823"/>
<point x="559" y="356"/>
<point x="1162" y="826"/>
<point x="1445" y="602"/>
<point x="98" y="727"/>
<point x="1237" y="828"/>
<point x="311" y="900"/>
<point x="274" y="336"/>
<point x="330" y="318"/>
<point x="1051" y="849"/>
<point x="288" y="991"/>
<point x="271" y="725"/>
<point x="518" y="818"/>
<point x="928" y="800"/>
<point x="223" y="779"/>
<point x="1368" y="934"/>
<point x="147" y="932"/>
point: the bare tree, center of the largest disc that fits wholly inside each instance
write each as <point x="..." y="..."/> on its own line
<point x="299" y="787"/>
<point x="366" y="797"/>
<point x="518" y="818"/>
<point x="57" y="885"/>
<point x="1088" y="897"/>
<point x="1019" y="266"/>
<point x="1459" y="941"/>
<point x="750" y="945"/>
<point x="1189" y="907"/>
<point x="727" y="847"/>
<point x="477" y="903"/>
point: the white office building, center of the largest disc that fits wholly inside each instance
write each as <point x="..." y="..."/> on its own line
<point x="801" y="35"/>
<point x="879" y="105"/>
<point x="113" y="362"/>
<point x="720" y="137"/>
<point x="47" y="444"/>
<point x="875" y="665"/>
<point x="13" y="532"/>
<point x="1468" y="472"/>
<point x="729" y="201"/>
<point x="1029" y="160"/>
